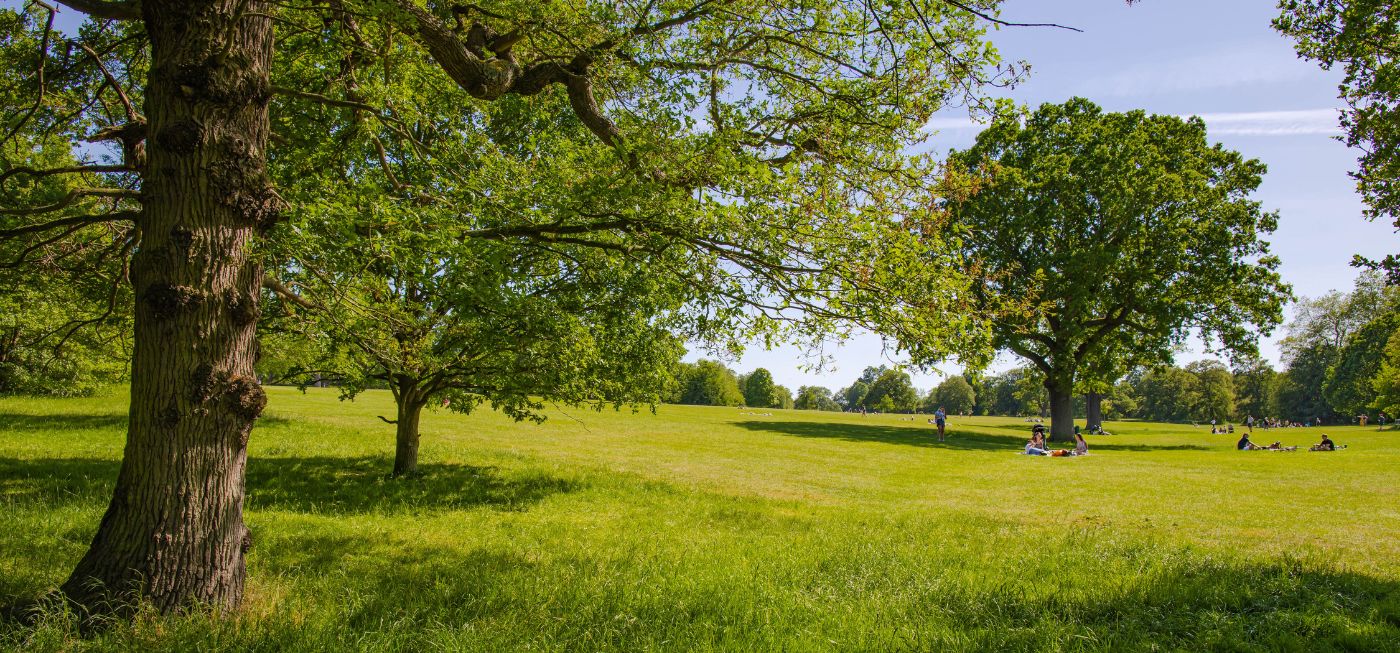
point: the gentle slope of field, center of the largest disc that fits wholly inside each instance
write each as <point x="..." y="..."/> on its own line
<point x="718" y="528"/>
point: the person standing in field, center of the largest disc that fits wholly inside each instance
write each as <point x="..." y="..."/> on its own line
<point x="1249" y="421"/>
<point x="940" y="420"/>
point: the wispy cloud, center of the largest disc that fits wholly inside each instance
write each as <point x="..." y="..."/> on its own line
<point x="1231" y="123"/>
<point x="1228" y="68"/>
<point x="1273" y="123"/>
<point x="953" y="123"/>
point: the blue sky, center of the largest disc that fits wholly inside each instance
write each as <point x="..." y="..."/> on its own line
<point x="1219" y="59"/>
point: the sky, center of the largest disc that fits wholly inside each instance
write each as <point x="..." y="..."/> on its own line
<point x="1218" y="59"/>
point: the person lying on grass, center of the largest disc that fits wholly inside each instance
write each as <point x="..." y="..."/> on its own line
<point x="1245" y="445"/>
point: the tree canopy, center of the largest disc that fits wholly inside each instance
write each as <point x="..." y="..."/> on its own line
<point x="764" y="143"/>
<point x="1103" y="239"/>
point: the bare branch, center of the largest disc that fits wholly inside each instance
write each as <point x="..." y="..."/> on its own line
<point x="106" y="9"/>
<point x="131" y="114"/>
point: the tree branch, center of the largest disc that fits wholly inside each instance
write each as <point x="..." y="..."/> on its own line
<point x="106" y="9"/>
<point x="73" y="196"/>
<point x="70" y="221"/>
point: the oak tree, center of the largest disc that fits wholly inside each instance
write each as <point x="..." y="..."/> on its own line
<point x="788" y="121"/>
<point x="1112" y="236"/>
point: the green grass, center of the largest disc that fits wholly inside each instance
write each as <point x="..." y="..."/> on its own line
<point x="710" y="529"/>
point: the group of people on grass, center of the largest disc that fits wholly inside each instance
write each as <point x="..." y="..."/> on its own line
<point x="1037" y="446"/>
<point x="1325" y="445"/>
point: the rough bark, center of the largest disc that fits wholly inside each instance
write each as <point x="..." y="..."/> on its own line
<point x="173" y="534"/>
<point x="1093" y="409"/>
<point x="1061" y="411"/>
<point x="410" y="410"/>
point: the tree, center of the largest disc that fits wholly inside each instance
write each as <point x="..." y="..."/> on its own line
<point x="1030" y="395"/>
<point x="1387" y="381"/>
<point x="956" y="395"/>
<point x="853" y="397"/>
<point x="441" y="320"/>
<point x="1362" y="36"/>
<point x="782" y="398"/>
<point x="813" y="397"/>
<point x="1104" y="239"/>
<point x="750" y="109"/>
<point x="710" y="383"/>
<point x="1299" y="396"/>
<point x="1256" y="388"/>
<point x="758" y="389"/>
<point x="1214" y="397"/>
<point x="1121" y="402"/>
<point x="1349" y="387"/>
<point x="896" y="387"/>
<point x="1169" y="394"/>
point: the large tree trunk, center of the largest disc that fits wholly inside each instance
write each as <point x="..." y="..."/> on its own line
<point x="1093" y="409"/>
<point x="1061" y="411"/>
<point x="410" y="410"/>
<point x="174" y="534"/>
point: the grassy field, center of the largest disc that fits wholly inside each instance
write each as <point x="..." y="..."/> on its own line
<point x="716" y="529"/>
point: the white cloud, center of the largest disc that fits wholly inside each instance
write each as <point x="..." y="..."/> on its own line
<point x="1273" y="123"/>
<point x="1229" y="68"/>
<point x="952" y="123"/>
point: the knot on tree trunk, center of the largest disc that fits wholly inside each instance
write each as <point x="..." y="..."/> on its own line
<point x="166" y="301"/>
<point x="181" y="136"/>
<point x="245" y="398"/>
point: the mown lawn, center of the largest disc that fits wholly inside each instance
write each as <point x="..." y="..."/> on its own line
<point x="699" y="529"/>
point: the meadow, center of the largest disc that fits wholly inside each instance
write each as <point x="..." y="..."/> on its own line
<point x="699" y="529"/>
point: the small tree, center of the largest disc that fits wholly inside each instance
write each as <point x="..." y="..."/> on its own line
<point x="898" y="388"/>
<point x="782" y="398"/>
<point x="1214" y="398"/>
<point x="759" y="389"/>
<point x="712" y="384"/>
<point x="812" y="397"/>
<point x="955" y="394"/>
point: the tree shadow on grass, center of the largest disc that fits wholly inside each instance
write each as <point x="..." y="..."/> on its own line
<point x="927" y="437"/>
<point x="88" y="421"/>
<point x="326" y="485"/>
<point x="316" y="485"/>
<point x="62" y="421"/>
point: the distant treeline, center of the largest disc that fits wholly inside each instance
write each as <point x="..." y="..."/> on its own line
<point x="1341" y="359"/>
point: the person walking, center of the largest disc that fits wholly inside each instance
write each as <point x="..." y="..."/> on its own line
<point x="1249" y="421"/>
<point x="940" y="419"/>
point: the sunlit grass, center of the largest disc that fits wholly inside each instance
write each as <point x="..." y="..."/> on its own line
<point x="709" y="528"/>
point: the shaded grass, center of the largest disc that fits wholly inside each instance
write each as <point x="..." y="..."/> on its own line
<point x="705" y="529"/>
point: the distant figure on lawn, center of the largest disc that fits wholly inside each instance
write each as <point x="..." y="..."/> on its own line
<point x="1081" y="448"/>
<point x="940" y="419"/>
<point x="1249" y="422"/>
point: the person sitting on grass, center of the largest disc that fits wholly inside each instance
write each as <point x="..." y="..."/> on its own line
<point x="1036" y="447"/>
<point x="1245" y="445"/>
<point x="1081" y="448"/>
<point x="1326" y="445"/>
